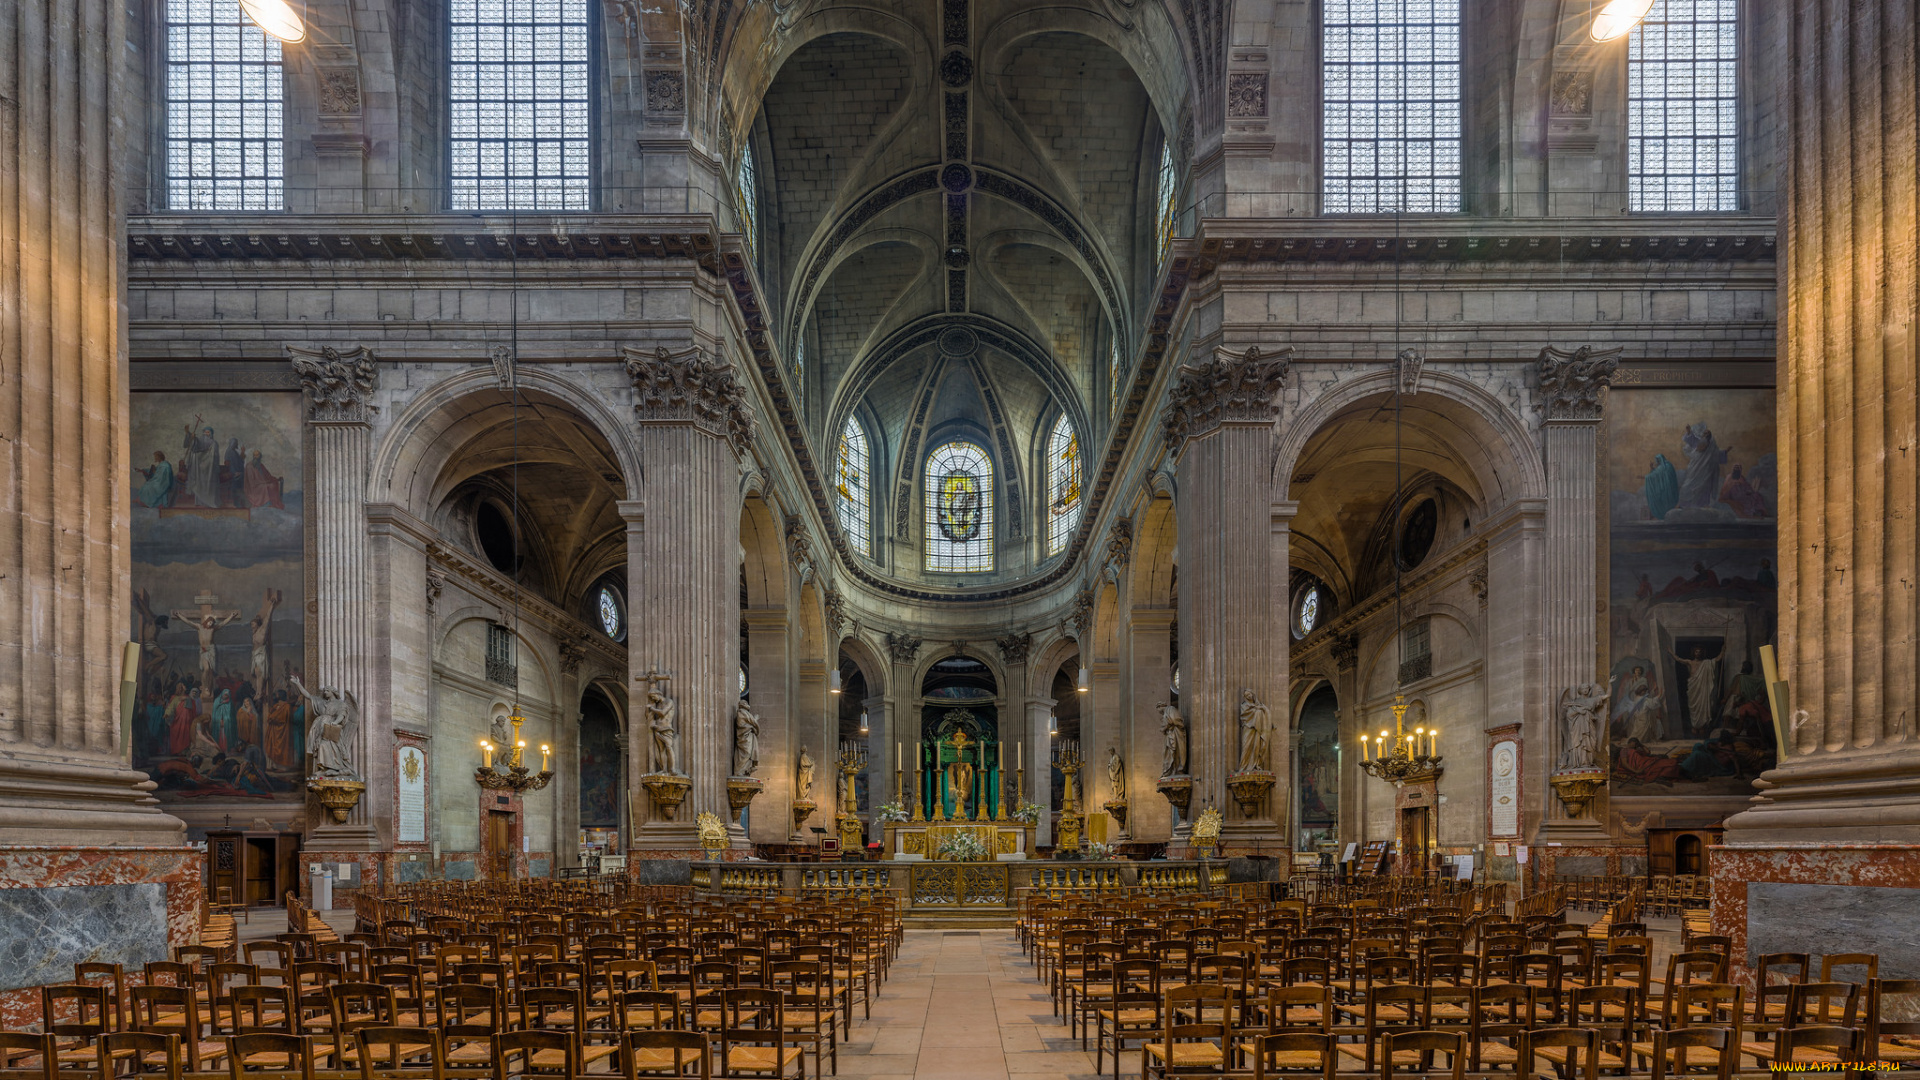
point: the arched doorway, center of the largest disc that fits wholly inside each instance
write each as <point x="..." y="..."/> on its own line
<point x="960" y="737"/>
<point x="1316" y="771"/>
<point x="600" y="782"/>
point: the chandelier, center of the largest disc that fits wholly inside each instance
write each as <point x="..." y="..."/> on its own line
<point x="515" y="776"/>
<point x="1413" y="758"/>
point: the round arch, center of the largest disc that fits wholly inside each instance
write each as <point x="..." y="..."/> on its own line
<point x="968" y="649"/>
<point x="872" y="665"/>
<point x="1156" y="551"/>
<point x="1046" y="662"/>
<point x="412" y="456"/>
<point x="762" y="553"/>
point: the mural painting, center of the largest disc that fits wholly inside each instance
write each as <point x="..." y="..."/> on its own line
<point x="1692" y="589"/>
<point x="1319" y="771"/>
<point x="599" y="764"/>
<point x="219" y="594"/>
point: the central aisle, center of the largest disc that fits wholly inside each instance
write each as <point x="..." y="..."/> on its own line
<point x="964" y="1006"/>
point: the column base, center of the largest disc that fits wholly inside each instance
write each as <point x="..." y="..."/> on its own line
<point x="1863" y="897"/>
<point x="1854" y="798"/>
<point x="343" y="838"/>
<point x="668" y="836"/>
<point x="1580" y="832"/>
<point x="76" y="804"/>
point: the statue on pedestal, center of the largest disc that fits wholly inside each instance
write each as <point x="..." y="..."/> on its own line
<point x="804" y="784"/>
<point x="1580" y="710"/>
<point x="1173" y="761"/>
<point x="329" y="732"/>
<point x="746" y="739"/>
<point x="663" y="722"/>
<point x="1116" y="774"/>
<point x="1256" y="747"/>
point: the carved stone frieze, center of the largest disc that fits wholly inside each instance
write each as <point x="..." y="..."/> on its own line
<point x="1572" y="385"/>
<point x="339" y="92"/>
<point x="339" y="385"/>
<point x="689" y="387"/>
<point x="504" y="374"/>
<point x="1013" y="647"/>
<point x="1224" y="390"/>
<point x="1410" y="362"/>
<point x="902" y="647"/>
<point x="1246" y="95"/>
<point x="666" y="93"/>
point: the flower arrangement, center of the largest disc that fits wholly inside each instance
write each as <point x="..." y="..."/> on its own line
<point x="892" y="812"/>
<point x="1099" y="851"/>
<point x="1028" y="813"/>
<point x="963" y="846"/>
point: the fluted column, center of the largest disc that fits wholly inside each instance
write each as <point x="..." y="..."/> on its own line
<point x="64" y="565"/>
<point x="1572" y="391"/>
<point x="339" y="386"/>
<point x="1849" y="301"/>
<point x="1219" y="426"/>
<point x="694" y="428"/>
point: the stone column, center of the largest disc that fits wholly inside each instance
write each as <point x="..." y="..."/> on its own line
<point x="902" y="651"/>
<point x="768" y="634"/>
<point x="816" y="717"/>
<point x="880" y="756"/>
<point x="694" y="428"/>
<point x="64" y="564"/>
<point x="1219" y="429"/>
<point x="1100" y="727"/>
<point x="1149" y="674"/>
<point x="339" y="387"/>
<point x="1516" y="694"/>
<point x="1849" y="299"/>
<point x="1039" y="765"/>
<point x="1572" y="393"/>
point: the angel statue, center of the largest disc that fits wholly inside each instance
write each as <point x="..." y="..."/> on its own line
<point x="329" y="732"/>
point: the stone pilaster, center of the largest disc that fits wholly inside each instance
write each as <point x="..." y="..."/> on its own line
<point x="1571" y="390"/>
<point x="767" y="672"/>
<point x="1849" y="301"/>
<point x="1150" y="673"/>
<point x="1038" y="763"/>
<point x="694" y="428"/>
<point x="880" y="754"/>
<point x="339" y="385"/>
<point x="1219" y="428"/>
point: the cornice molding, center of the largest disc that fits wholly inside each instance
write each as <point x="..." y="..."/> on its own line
<point x="422" y="237"/>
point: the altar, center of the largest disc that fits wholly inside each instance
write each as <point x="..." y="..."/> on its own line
<point x="921" y="839"/>
<point x="958" y="790"/>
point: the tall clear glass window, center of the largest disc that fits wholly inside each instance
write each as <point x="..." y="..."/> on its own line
<point x="520" y="104"/>
<point x="1390" y="106"/>
<point x="1682" y="107"/>
<point x="1168" y="190"/>
<point x="959" y="509"/>
<point x="1063" y="484"/>
<point x="852" y="486"/>
<point x="225" y="145"/>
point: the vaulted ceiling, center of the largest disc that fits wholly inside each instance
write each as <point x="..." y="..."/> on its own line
<point x="957" y="204"/>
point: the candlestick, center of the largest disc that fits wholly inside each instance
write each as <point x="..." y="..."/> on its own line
<point x="1019" y="755"/>
<point x="545" y="753"/>
<point x="899" y="757"/>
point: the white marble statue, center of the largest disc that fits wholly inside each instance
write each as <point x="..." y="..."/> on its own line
<point x="804" y="785"/>
<point x="329" y="732"/>
<point x="1256" y="745"/>
<point x="1116" y="774"/>
<point x="746" y="739"/>
<point x="663" y="721"/>
<point x="1173" y="760"/>
<point x="1581" y="708"/>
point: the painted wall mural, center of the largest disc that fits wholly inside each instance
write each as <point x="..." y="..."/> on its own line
<point x="599" y="764"/>
<point x="1319" y="771"/>
<point x="1691" y="589"/>
<point x="219" y="594"/>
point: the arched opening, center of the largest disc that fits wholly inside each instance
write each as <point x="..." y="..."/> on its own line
<point x="1686" y="855"/>
<point x="854" y="726"/>
<point x="1316" y="772"/>
<point x="1066" y="724"/>
<point x="600" y="771"/>
<point x="960" y="738"/>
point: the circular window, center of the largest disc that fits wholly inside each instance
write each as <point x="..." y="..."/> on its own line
<point x="743" y="680"/>
<point x="495" y="535"/>
<point x="1417" y="531"/>
<point x="1307" y="616"/>
<point x="612" y="613"/>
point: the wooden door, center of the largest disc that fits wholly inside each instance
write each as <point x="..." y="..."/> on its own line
<point x="227" y="865"/>
<point x="286" y="876"/>
<point x="499" y="845"/>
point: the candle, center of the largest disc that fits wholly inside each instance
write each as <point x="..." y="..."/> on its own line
<point x="899" y="758"/>
<point x="486" y="754"/>
<point x="1363" y="748"/>
<point x="1432" y="745"/>
<point x="1019" y="755"/>
<point x="545" y="752"/>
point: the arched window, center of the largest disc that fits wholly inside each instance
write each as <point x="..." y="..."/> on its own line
<point x="1682" y="110"/>
<point x="1169" y="187"/>
<point x="852" y="486"/>
<point x="1063" y="484"/>
<point x="1113" y="375"/>
<point x="800" y="365"/>
<point x="225" y="148"/>
<point x="520" y="104"/>
<point x="1390" y="106"/>
<point x="959" y="509"/>
<point x="747" y="196"/>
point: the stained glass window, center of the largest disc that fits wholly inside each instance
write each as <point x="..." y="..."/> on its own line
<point x="1063" y="484"/>
<point x="1169" y="186"/>
<point x="800" y="365"/>
<point x="1390" y="106"/>
<point x="1682" y="110"/>
<point x="959" y="509"/>
<point x="612" y="613"/>
<point x="225" y="148"/>
<point x="500" y="666"/>
<point x="748" y="195"/>
<point x="852" y="488"/>
<point x="1113" y="376"/>
<point x="519" y="95"/>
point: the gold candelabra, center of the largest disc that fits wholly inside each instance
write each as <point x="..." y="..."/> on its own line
<point x="1406" y="760"/>
<point x="516" y="776"/>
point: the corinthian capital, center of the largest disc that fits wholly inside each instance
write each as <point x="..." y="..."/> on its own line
<point x="339" y="385"/>
<point x="689" y="387"/>
<point x="1571" y="382"/>
<point x="1227" y="389"/>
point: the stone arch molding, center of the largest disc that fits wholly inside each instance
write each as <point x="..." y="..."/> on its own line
<point x="1495" y="400"/>
<point x="409" y="453"/>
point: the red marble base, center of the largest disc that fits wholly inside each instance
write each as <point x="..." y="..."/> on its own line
<point x="1732" y="869"/>
<point x="178" y="869"/>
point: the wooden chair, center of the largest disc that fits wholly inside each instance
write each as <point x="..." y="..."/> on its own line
<point x="1670" y="1050"/>
<point x="1825" y="1044"/>
<point x="175" y="1010"/>
<point x="399" y="1053"/>
<point x="1572" y="1050"/>
<point x="1502" y="1016"/>
<point x="665" y="1053"/>
<point x="269" y="1055"/>
<point x="1291" y="1053"/>
<point x="19" y="1048"/>
<point x="1131" y="1012"/>
<point x="539" y="1053"/>
<point x="753" y="1037"/>
<point x="139" y="1053"/>
<point x="810" y="1013"/>
<point x="76" y="1017"/>
<point x="1389" y="1009"/>
<point x="1897" y="1041"/>
<point x="1419" y="1047"/>
<point x="1188" y="1046"/>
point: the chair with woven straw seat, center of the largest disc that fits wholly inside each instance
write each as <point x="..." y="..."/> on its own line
<point x="1291" y="1053"/>
<point x="1896" y="1041"/>
<point x="754" y="1037"/>
<point x="26" y="1056"/>
<point x="76" y="1017"/>
<point x="665" y="1053"/>
<point x="174" y="1010"/>
<point x="534" y="1053"/>
<point x="559" y="1008"/>
<point x="399" y="1053"/>
<point x="1673" y="1051"/>
<point x="1415" y="1050"/>
<point x="809" y="1007"/>
<point x="1189" y="1041"/>
<point x="1389" y="1009"/>
<point x="1502" y="1015"/>
<point x="139" y="1053"/>
<point x="269" y="1055"/>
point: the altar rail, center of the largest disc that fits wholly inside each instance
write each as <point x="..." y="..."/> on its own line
<point x="959" y="885"/>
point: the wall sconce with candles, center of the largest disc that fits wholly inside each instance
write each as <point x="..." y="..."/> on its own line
<point x="516" y="776"/>
<point x="1407" y="760"/>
